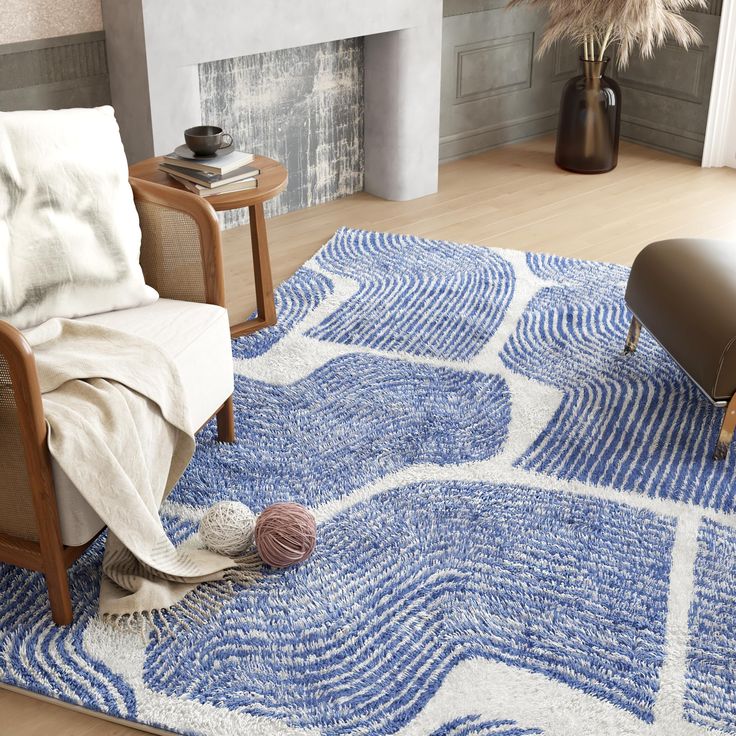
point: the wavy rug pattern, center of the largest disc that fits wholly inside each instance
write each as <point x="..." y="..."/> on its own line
<point x="520" y="529"/>
<point x="614" y="409"/>
<point x="416" y="579"/>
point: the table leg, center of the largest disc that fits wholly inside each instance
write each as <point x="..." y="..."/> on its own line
<point x="263" y="280"/>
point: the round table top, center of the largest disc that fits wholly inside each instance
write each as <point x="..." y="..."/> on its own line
<point x="271" y="181"/>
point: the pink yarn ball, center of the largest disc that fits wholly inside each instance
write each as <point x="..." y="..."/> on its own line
<point x="285" y="534"/>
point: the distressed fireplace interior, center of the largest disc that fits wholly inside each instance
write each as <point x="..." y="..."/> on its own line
<point x="301" y="106"/>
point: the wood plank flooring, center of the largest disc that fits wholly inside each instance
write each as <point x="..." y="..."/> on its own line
<point x="511" y="197"/>
<point x="515" y="197"/>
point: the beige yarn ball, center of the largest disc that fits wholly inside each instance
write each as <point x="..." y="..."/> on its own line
<point x="227" y="528"/>
<point x="286" y="533"/>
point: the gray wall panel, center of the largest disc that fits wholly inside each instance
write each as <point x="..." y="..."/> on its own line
<point x="67" y="71"/>
<point x="665" y="99"/>
<point x="494" y="90"/>
<point x="458" y="7"/>
<point x="488" y="98"/>
<point x="494" y="67"/>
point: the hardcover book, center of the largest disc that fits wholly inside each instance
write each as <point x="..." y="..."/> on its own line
<point x="221" y="165"/>
<point x="208" y="179"/>
<point x="236" y="186"/>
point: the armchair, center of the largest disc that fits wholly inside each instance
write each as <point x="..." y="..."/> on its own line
<point x="45" y="524"/>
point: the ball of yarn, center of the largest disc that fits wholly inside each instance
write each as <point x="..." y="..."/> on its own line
<point x="286" y="533"/>
<point x="227" y="527"/>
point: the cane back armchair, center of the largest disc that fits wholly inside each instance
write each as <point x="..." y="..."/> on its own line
<point x="181" y="258"/>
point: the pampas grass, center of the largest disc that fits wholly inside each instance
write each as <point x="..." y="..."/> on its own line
<point x="596" y="24"/>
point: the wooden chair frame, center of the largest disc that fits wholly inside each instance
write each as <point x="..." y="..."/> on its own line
<point x="49" y="554"/>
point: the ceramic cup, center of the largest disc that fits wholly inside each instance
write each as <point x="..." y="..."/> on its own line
<point x="206" y="140"/>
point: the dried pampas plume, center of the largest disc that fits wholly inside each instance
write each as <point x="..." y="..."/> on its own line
<point x="596" y="24"/>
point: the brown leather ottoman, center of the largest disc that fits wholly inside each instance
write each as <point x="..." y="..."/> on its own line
<point x="684" y="292"/>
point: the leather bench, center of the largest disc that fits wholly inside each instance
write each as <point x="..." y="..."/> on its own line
<point x="684" y="292"/>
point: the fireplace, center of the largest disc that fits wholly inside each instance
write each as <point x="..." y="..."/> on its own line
<point x="301" y="106"/>
<point x="155" y="49"/>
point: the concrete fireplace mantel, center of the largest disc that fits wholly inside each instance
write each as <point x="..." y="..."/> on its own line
<point x="154" y="48"/>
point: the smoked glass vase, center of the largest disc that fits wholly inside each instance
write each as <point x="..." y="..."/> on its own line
<point x="590" y="121"/>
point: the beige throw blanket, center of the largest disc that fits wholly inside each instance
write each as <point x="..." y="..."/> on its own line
<point x="118" y="427"/>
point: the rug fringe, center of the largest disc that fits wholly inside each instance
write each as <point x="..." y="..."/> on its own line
<point x="195" y="609"/>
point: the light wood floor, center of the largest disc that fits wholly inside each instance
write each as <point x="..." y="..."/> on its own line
<point x="515" y="197"/>
<point x="512" y="197"/>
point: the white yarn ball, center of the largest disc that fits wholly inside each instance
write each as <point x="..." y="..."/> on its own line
<point x="227" y="528"/>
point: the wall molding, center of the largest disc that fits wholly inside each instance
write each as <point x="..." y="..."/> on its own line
<point x="685" y="134"/>
<point x="499" y="126"/>
<point x="489" y="46"/>
<point x="463" y="7"/>
<point x="494" y="90"/>
<point x="696" y="94"/>
<point x="665" y="99"/>
<point x="662" y="137"/>
<point x="565" y="64"/>
<point x="47" y="43"/>
<point x="66" y="71"/>
<point x="457" y="145"/>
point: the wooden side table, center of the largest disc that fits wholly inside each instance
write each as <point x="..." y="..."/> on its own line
<point x="272" y="181"/>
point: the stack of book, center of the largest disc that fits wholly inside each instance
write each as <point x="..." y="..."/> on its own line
<point x="207" y="177"/>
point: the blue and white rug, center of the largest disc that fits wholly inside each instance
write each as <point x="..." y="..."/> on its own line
<point x="520" y="529"/>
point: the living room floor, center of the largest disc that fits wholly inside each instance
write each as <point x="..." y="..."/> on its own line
<point x="512" y="197"/>
<point x="515" y="197"/>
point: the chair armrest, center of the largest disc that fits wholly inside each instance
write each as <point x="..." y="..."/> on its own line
<point x="27" y="498"/>
<point x="181" y="247"/>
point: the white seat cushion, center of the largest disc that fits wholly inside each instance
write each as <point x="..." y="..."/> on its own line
<point x="197" y="338"/>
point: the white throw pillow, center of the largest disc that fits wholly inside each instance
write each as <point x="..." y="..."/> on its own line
<point x="70" y="237"/>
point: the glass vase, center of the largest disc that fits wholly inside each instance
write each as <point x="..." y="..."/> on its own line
<point x="590" y="121"/>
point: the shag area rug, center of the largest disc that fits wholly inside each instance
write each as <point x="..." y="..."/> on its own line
<point x="520" y="530"/>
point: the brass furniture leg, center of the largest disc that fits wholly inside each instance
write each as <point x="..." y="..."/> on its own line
<point x="264" y="282"/>
<point x="727" y="429"/>
<point x="632" y="338"/>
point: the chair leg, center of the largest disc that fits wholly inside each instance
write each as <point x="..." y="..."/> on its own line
<point x="57" y="584"/>
<point x="52" y="548"/>
<point x="727" y="429"/>
<point x="226" y="422"/>
<point x="632" y="339"/>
